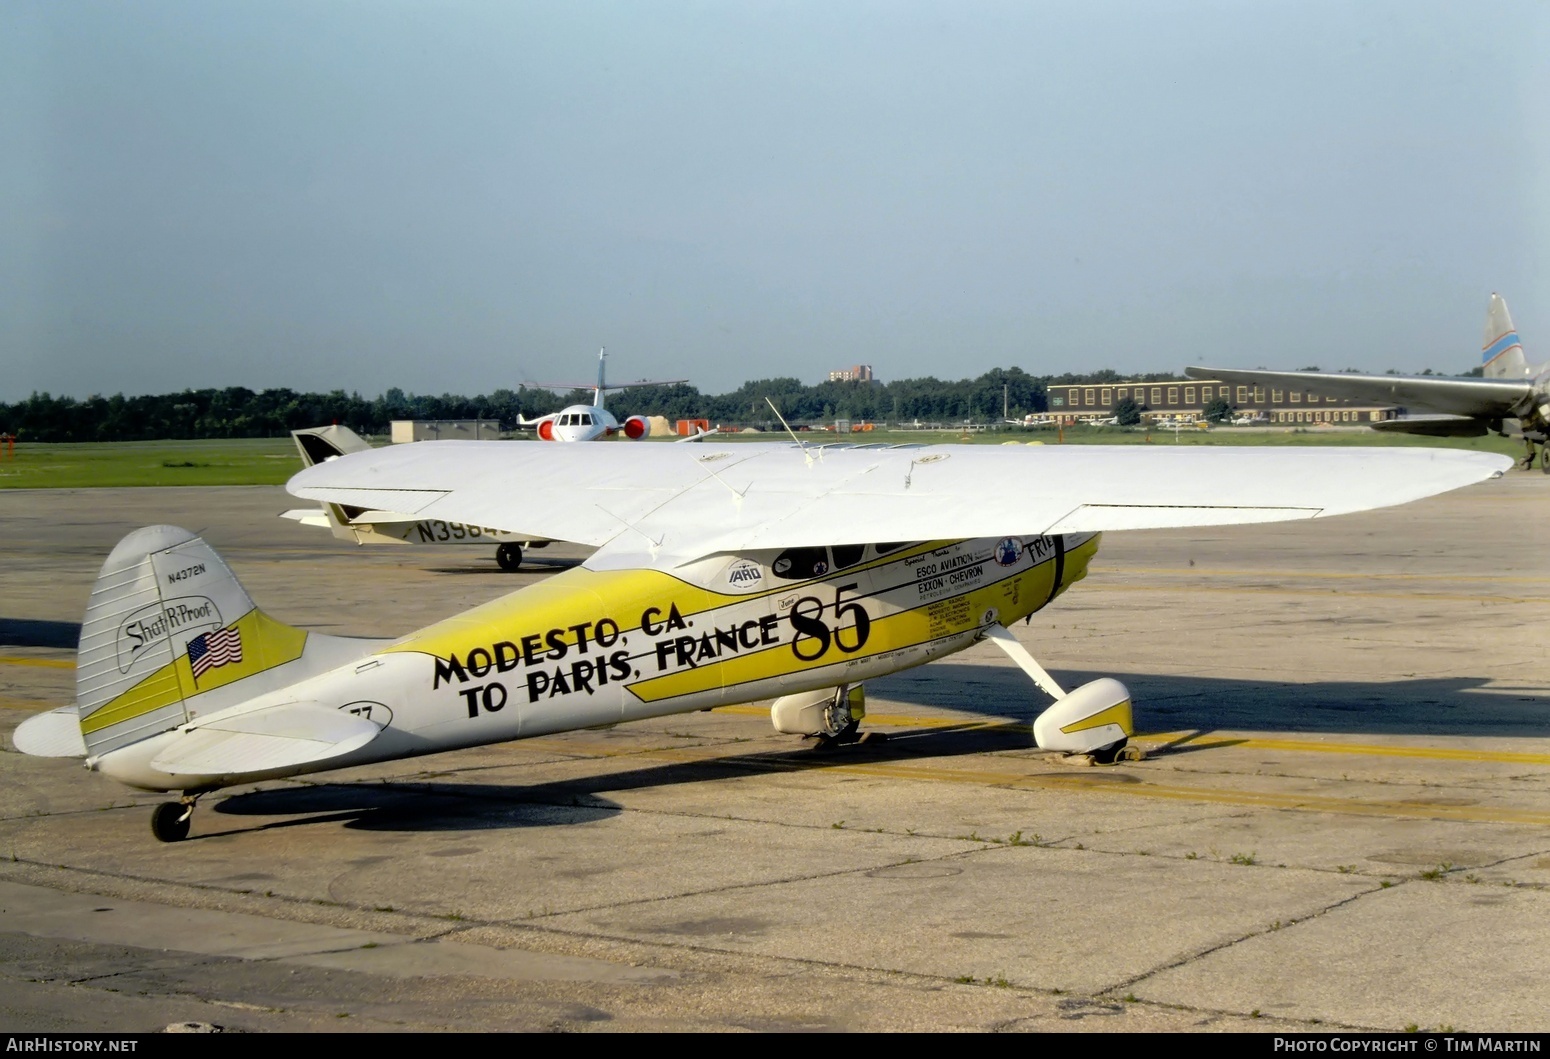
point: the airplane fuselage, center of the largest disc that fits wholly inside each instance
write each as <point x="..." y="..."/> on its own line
<point x="587" y="648"/>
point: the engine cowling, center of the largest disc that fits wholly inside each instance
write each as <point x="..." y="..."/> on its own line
<point x="546" y="430"/>
<point x="636" y="427"/>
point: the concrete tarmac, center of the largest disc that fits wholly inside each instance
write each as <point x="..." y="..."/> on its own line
<point x="1343" y="821"/>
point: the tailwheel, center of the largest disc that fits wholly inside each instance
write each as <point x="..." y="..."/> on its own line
<point x="170" y="820"/>
<point x="509" y="556"/>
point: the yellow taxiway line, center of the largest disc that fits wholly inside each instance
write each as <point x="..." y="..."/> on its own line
<point x="1216" y="739"/>
<point x="1128" y="782"/>
<point x="47" y="663"/>
<point x="1200" y="571"/>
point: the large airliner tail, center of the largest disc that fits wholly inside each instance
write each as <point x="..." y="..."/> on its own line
<point x="1501" y="354"/>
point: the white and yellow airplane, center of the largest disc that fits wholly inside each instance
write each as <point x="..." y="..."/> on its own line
<point x="361" y="526"/>
<point x="591" y="422"/>
<point x="723" y="574"/>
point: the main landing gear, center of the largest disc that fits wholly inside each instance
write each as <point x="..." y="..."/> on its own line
<point x="830" y="715"/>
<point x="509" y="556"/>
<point x="1094" y="721"/>
<point x="1537" y="452"/>
<point x="170" y="820"/>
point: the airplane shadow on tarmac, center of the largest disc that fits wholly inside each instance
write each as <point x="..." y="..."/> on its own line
<point x="1451" y="706"/>
<point x="427" y="807"/>
<point x="1457" y="706"/>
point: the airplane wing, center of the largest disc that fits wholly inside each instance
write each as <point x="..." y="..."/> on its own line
<point x="1435" y="426"/>
<point x="1489" y="398"/>
<point x="674" y="504"/>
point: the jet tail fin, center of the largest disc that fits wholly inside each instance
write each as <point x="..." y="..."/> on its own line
<point x="1501" y="354"/>
<point x="170" y="635"/>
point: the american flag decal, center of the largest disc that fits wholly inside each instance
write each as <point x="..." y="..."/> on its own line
<point x="211" y="650"/>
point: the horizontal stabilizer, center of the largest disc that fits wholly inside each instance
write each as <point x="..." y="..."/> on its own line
<point x="275" y="737"/>
<point x="307" y="516"/>
<point x="56" y="733"/>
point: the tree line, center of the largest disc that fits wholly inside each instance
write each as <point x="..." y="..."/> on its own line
<point x="238" y="412"/>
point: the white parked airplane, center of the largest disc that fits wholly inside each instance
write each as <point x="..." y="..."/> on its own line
<point x="363" y="526"/>
<point x="588" y="422"/>
<point x="1511" y="397"/>
<point x="723" y="574"/>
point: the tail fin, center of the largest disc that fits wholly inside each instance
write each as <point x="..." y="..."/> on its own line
<point x="602" y="387"/>
<point x="170" y="634"/>
<point x="317" y="444"/>
<point x="1501" y="355"/>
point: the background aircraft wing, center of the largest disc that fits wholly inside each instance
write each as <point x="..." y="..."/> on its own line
<point x="1491" y="398"/>
<point x="667" y="504"/>
<point x="1435" y="426"/>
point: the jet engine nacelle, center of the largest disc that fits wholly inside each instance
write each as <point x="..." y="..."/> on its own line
<point x="826" y="711"/>
<point x="636" y="427"/>
<point x="1092" y="717"/>
<point x="546" y="430"/>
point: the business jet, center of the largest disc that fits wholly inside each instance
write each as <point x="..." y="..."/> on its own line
<point x="1511" y="396"/>
<point x="589" y="422"/>
<point x="723" y="574"/>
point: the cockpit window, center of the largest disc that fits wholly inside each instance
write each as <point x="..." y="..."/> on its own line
<point x="847" y="555"/>
<point x="585" y="418"/>
<point x="798" y="564"/>
<point x="884" y="549"/>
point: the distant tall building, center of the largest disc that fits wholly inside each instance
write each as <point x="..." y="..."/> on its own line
<point x="857" y="373"/>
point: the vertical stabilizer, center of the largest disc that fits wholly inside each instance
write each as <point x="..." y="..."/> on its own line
<point x="1501" y="354"/>
<point x="602" y="386"/>
<point x="167" y="631"/>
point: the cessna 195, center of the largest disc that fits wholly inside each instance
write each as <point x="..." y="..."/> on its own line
<point x="723" y="574"/>
<point x="588" y="422"/>
<point x="350" y="523"/>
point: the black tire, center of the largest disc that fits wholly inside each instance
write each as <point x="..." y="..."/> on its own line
<point x="170" y="820"/>
<point x="509" y="556"/>
<point x="1108" y="755"/>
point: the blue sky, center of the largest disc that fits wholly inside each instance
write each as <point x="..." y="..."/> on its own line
<point x="456" y="197"/>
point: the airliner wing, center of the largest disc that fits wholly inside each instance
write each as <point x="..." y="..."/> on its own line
<point x="669" y="504"/>
<point x="1487" y="398"/>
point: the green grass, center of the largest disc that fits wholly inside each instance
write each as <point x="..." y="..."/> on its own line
<point x="271" y="461"/>
<point x="89" y="465"/>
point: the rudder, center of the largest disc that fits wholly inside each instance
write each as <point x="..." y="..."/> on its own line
<point x="1501" y="354"/>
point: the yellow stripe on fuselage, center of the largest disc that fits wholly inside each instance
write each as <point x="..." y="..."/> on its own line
<point x="266" y="643"/>
<point x="714" y="641"/>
